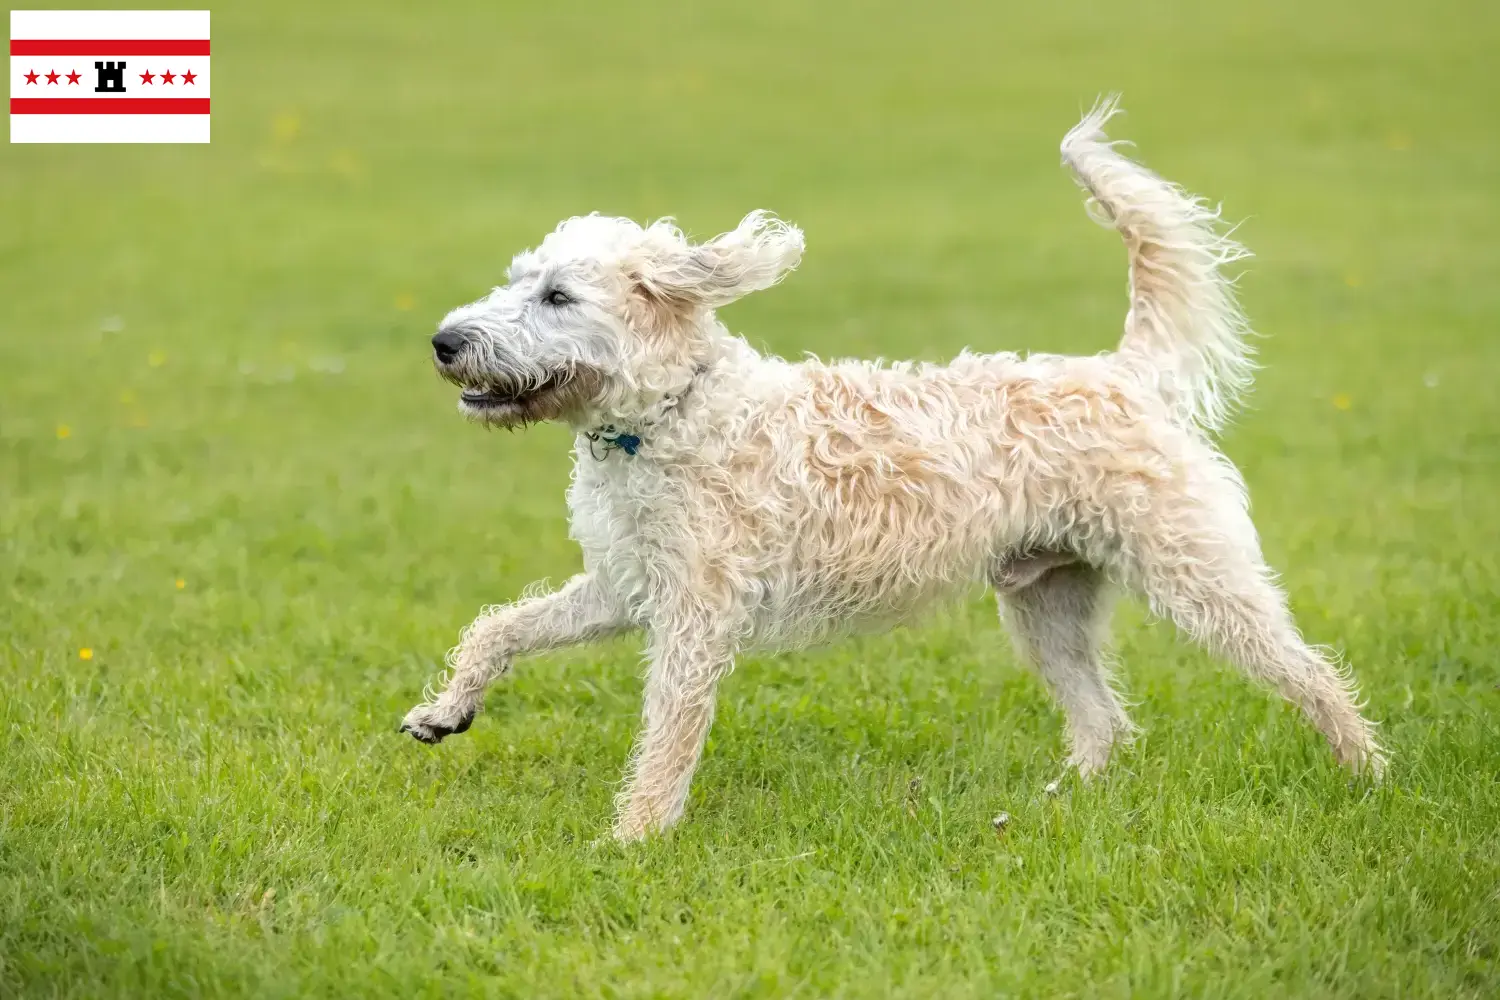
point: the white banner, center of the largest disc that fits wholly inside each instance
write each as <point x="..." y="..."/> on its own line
<point x="109" y="76"/>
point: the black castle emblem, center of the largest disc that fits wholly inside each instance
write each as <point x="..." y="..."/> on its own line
<point x="111" y="77"/>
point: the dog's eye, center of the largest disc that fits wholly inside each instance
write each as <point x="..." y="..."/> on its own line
<point x="557" y="297"/>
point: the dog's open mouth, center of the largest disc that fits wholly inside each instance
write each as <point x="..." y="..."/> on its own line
<point x="492" y="396"/>
<point x="511" y="404"/>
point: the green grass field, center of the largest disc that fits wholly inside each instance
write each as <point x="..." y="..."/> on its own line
<point x="240" y="521"/>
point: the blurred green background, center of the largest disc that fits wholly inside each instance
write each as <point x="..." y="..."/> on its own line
<point x="240" y="520"/>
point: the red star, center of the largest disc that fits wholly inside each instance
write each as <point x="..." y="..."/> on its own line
<point x="31" y="77"/>
<point x="73" y="77"/>
<point x="167" y="76"/>
<point x="189" y="77"/>
<point x="147" y="77"/>
<point x="52" y="77"/>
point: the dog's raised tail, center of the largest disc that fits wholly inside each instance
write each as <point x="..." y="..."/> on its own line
<point x="1185" y="330"/>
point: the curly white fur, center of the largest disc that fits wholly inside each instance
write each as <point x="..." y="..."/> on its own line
<point x="774" y="504"/>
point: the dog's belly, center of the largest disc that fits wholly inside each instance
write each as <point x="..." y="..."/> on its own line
<point x="852" y="577"/>
<point x="809" y="614"/>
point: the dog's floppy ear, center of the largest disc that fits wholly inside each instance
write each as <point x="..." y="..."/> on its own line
<point x="754" y="255"/>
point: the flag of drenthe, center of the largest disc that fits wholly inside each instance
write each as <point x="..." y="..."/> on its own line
<point x="109" y="76"/>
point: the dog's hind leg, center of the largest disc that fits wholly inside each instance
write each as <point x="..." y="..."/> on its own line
<point x="1058" y="616"/>
<point x="578" y="612"/>
<point x="1201" y="566"/>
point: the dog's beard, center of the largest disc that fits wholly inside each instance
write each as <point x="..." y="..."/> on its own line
<point x="510" y="401"/>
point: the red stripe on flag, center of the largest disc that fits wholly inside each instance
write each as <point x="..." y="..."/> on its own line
<point x="109" y="105"/>
<point x="104" y="47"/>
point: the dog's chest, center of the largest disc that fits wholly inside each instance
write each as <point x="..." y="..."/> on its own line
<point x="623" y="515"/>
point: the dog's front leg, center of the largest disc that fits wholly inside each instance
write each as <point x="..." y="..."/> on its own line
<point x="578" y="612"/>
<point x="686" y="666"/>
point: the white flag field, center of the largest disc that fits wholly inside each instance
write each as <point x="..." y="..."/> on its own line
<point x="109" y="76"/>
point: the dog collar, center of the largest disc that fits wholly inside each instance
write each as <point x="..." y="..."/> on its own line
<point x="607" y="437"/>
<point x="610" y="438"/>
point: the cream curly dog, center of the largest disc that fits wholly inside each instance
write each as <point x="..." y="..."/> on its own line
<point x="727" y="501"/>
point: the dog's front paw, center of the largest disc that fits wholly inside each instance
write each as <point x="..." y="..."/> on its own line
<point x="430" y="723"/>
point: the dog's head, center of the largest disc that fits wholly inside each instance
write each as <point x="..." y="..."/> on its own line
<point x="606" y="316"/>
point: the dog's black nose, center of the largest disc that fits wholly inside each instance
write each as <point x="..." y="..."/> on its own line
<point x="447" y="343"/>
